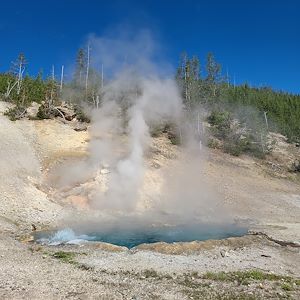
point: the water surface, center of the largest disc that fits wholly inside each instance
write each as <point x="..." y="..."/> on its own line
<point x="132" y="236"/>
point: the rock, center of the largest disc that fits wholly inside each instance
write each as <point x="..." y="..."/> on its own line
<point x="5" y="106"/>
<point x="80" y="127"/>
<point x="265" y="255"/>
<point x="223" y="253"/>
<point x="104" y="171"/>
<point x="156" y="165"/>
<point x="32" y="110"/>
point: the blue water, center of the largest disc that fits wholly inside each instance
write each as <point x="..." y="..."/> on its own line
<point x="131" y="237"/>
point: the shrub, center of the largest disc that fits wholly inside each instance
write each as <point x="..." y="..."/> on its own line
<point x="150" y="273"/>
<point x="81" y="115"/>
<point x="170" y="129"/>
<point x="15" y="113"/>
<point x="175" y="139"/>
<point x="221" y="122"/>
<point x="236" y="138"/>
<point x="157" y="130"/>
<point x="214" y="143"/>
<point x="173" y="133"/>
<point x="44" y="112"/>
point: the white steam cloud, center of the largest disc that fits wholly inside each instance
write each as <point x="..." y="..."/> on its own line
<point x="136" y="96"/>
<point x="159" y="99"/>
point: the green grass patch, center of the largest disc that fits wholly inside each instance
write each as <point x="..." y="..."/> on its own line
<point x="287" y="286"/>
<point x="66" y="257"/>
<point x="243" y="277"/>
<point x="69" y="257"/>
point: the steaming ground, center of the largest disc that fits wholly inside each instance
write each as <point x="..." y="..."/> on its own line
<point x="31" y="149"/>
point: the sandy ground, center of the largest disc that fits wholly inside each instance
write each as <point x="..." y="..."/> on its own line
<point x="28" y="271"/>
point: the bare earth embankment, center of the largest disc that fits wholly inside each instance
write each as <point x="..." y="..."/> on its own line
<point x="270" y="204"/>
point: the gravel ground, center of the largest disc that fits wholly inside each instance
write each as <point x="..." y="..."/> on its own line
<point x="37" y="272"/>
<point x="22" y="203"/>
<point x="160" y="271"/>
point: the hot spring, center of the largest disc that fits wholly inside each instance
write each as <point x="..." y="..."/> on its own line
<point x="131" y="237"/>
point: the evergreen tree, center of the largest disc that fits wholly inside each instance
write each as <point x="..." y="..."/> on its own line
<point x="214" y="77"/>
<point x="188" y="77"/>
<point x="80" y="68"/>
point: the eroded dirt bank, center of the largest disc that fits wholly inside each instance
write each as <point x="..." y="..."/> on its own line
<point x="28" y="271"/>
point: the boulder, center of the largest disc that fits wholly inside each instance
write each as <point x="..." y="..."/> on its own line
<point x="32" y="110"/>
<point x="80" y="127"/>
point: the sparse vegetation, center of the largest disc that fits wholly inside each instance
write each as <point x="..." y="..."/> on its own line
<point x="296" y="166"/>
<point x="219" y="285"/>
<point x="243" y="277"/>
<point x="69" y="257"/>
<point x="210" y="294"/>
<point x="15" y="113"/>
<point x="66" y="257"/>
<point x="150" y="274"/>
<point x="157" y="130"/>
<point x="287" y="286"/>
<point x="81" y="115"/>
<point x="214" y="92"/>
<point x="240" y="130"/>
<point x="45" y="112"/>
<point x="235" y="138"/>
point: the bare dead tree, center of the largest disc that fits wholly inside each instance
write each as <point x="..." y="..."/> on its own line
<point x="18" y="69"/>
<point x="102" y="77"/>
<point x="53" y="73"/>
<point x="20" y="73"/>
<point x="97" y="101"/>
<point x="10" y="87"/>
<point x="266" y="120"/>
<point x="61" y="78"/>
<point x="62" y="115"/>
<point x="87" y="68"/>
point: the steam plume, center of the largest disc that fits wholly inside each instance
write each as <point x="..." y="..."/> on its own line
<point x="136" y="96"/>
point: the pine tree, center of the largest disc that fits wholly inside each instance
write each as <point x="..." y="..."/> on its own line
<point x="213" y="69"/>
<point x="188" y="77"/>
<point x="213" y="76"/>
<point x="80" y="67"/>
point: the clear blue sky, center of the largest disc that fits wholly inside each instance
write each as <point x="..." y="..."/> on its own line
<point x="257" y="41"/>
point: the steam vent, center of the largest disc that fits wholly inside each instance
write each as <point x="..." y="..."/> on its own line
<point x="149" y="150"/>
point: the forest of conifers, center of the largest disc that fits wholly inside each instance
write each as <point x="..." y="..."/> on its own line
<point x="208" y="88"/>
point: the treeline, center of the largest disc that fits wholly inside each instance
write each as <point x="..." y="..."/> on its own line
<point x="282" y="109"/>
<point x="262" y="108"/>
<point x="83" y="90"/>
<point x="19" y="87"/>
